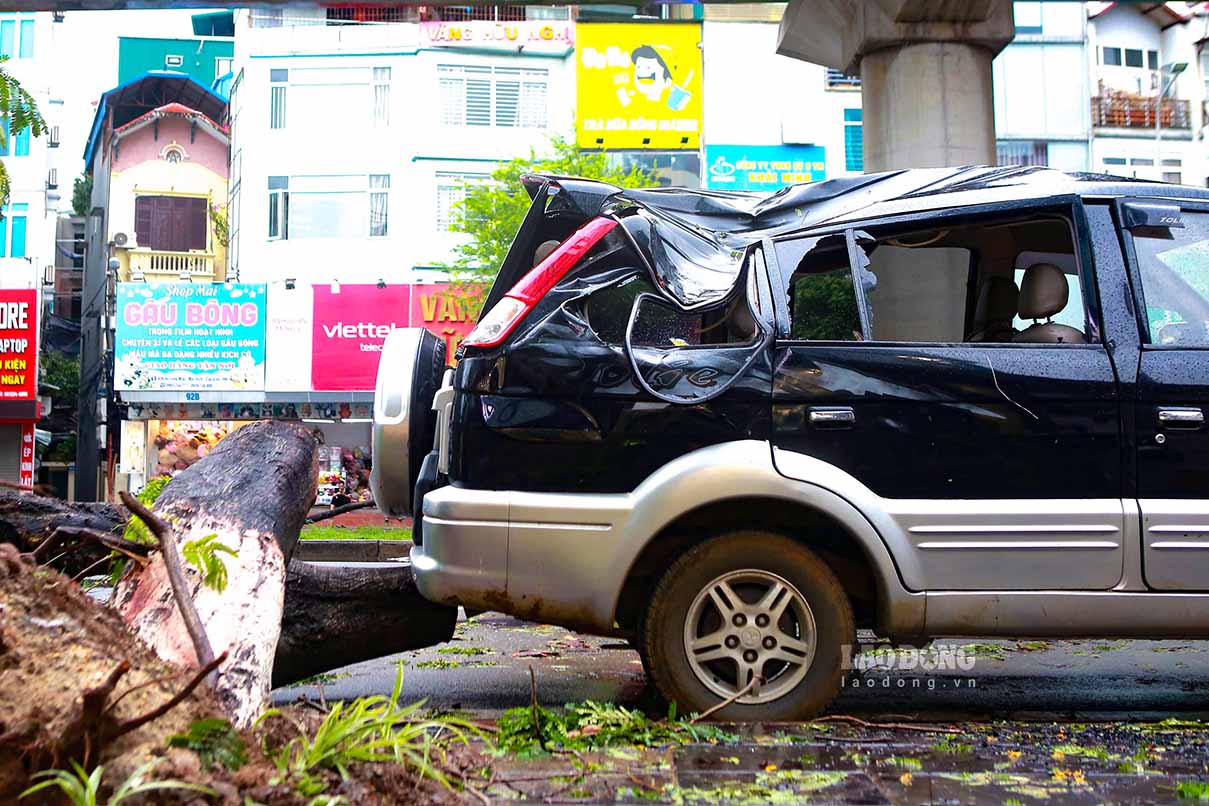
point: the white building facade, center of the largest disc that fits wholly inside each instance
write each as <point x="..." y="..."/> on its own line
<point x="351" y="143"/>
<point x="1138" y="52"/>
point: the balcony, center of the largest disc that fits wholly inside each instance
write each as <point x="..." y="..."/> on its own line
<point x="170" y="265"/>
<point x="1123" y="111"/>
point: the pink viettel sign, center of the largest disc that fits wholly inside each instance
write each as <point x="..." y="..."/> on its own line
<point x="537" y="36"/>
<point x="349" y="326"/>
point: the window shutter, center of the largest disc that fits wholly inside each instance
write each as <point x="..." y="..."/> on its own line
<point x="478" y="97"/>
<point x="142" y="220"/>
<point x="197" y="223"/>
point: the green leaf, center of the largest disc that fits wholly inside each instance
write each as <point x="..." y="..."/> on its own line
<point x="202" y="554"/>
<point x="214" y="741"/>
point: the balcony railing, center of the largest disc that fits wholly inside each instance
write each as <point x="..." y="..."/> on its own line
<point x="149" y="261"/>
<point x="1137" y="112"/>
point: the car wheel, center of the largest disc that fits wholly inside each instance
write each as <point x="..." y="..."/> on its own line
<point x="742" y="607"/>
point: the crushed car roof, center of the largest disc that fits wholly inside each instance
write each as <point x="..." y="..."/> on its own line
<point x="693" y="240"/>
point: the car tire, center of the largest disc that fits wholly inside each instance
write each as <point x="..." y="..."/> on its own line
<point x="751" y="564"/>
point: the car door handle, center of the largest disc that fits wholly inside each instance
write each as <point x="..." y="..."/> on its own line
<point x="1181" y="418"/>
<point x="842" y="417"/>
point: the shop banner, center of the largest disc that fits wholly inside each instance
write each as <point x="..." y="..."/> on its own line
<point x="25" y="477"/>
<point x="190" y="336"/>
<point x="18" y="344"/>
<point x="763" y="167"/>
<point x="288" y="337"/>
<point x="638" y="86"/>
<point x="532" y="36"/>
<point x="350" y="324"/>
<point x="443" y="312"/>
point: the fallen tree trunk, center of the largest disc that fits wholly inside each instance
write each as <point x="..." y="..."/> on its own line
<point x="252" y="492"/>
<point x="27" y="520"/>
<point x="336" y="615"/>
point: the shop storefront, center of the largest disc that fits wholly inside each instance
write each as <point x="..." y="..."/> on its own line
<point x="18" y="384"/>
<point x="194" y="366"/>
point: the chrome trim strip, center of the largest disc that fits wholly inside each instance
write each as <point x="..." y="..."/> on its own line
<point x="1180" y="529"/>
<point x="1041" y="545"/>
<point x="583" y="527"/>
<point x="1179" y="544"/>
<point x="1010" y="529"/>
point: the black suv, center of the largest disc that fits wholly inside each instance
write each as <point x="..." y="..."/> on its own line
<point x="733" y="428"/>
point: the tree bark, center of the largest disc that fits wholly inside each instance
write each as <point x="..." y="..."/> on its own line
<point x="27" y="520"/>
<point x="253" y="491"/>
<point x="342" y="614"/>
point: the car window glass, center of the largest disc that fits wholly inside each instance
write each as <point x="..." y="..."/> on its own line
<point x="989" y="281"/>
<point x="823" y="307"/>
<point x="1174" y="268"/>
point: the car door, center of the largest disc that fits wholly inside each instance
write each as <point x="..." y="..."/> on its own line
<point x="1168" y="249"/>
<point x="996" y="464"/>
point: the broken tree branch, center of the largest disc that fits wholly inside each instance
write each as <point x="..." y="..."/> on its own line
<point x="136" y="551"/>
<point x="331" y="513"/>
<point x="757" y="680"/>
<point x="176" y="577"/>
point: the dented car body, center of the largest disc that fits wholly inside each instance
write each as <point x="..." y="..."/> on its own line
<point x="733" y="427"/>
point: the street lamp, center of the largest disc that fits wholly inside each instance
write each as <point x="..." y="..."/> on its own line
<point x="1172" y="69"/>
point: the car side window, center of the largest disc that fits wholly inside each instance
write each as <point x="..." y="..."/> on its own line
<point x="999" y="280"/>
<point x="822" y="298"/>
<point x="1173" y="264"/>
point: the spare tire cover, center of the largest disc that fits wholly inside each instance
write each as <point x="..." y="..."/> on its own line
<point x="409" y="374"/>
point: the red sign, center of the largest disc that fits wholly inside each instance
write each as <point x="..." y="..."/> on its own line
<point x="26" y="477"/>
<point x="444" y="313"/>
<point x="18" y="344"/>
<point x="349" y="328"/>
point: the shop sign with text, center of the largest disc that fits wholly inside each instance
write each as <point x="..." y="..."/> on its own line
<point x="443" y="312"/>
<point x="18" y="343"/>
<point x="351" y="322"/>
<point x="529" y="36"/>
<point x="638" y="86"/>
<point x="734" y="167"/>
<point x="190" y="336"/>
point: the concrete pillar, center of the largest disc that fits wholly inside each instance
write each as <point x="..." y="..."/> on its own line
<point x="925" y="68"/>
<point x="928" y="105"/>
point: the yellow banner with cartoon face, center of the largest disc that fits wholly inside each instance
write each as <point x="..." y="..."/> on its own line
<point x="638" y="85"/>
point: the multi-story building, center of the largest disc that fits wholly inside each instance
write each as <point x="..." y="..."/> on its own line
<point x="160" y="178"/>
<point x="766" y="114"/>
<point x="414" y="108"/>
<point x="204" y="59"/>
<point x="1042" y="115"/>
<point x="1147" y="74"/>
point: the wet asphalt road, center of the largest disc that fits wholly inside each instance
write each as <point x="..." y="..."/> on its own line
<point x="1086" y="722"/>
<point x="485" y="670"/>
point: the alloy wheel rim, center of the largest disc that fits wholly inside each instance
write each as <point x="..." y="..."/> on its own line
<point x="747" y="623"/>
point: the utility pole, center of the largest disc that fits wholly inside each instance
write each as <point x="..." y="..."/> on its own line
<point x="1174" y="69"/>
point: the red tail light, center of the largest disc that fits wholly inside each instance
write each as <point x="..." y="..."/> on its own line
<point x="498" y="322"/>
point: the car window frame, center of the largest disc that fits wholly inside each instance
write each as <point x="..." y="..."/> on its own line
<point x="1069" y="206"/>
<point x="1133" y="268"/>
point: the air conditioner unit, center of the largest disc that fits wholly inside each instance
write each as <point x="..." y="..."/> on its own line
<point x="120" y="239"/>
<point x="52" y="179"/>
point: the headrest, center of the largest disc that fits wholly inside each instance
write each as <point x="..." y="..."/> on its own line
<point x="1043" y="291"/>
<point x="1001" y="298"/>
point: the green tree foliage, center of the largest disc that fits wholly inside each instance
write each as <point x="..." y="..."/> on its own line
<point x="22" y="112"/>
<point x="81" y="195"/>
<point x="61" y="371"/>
<point x="824" y="308"/>
<point x="492" y="211"/>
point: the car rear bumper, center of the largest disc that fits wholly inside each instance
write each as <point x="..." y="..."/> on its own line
<point x="541" y="556"/>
